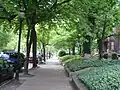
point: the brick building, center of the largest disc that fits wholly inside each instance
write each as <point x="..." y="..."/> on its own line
<point x="112" y="42"/>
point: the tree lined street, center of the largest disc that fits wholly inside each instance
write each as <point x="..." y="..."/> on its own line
<point x="83" y="34"/>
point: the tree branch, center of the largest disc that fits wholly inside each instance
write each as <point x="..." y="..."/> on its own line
<point x="54" y="5"/>
<point x="3" y="17"/>
<point x="8" y="16"/>
<point x="25" y="6"/>
<point x="104" y="28"/>
<point x="110" y="36"/>
<point x="5" y="11"/>
<point x="66" y="1"/>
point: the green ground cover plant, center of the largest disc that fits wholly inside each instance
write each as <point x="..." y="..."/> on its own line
<point x="76" y="64"/>
<point x="101" y="78"/>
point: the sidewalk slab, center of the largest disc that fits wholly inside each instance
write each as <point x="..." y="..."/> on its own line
<point x="48" y="77"/>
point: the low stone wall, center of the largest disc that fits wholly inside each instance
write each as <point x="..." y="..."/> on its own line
<point x="78" y="84"/>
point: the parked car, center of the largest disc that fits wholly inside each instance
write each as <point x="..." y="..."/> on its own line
<point x="12" y="57"/>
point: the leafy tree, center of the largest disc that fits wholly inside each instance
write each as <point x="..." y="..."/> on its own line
<point x="36" y="12"/>
<point x="5" y="34"/>
<point x="94" y="17"/>
<point x="43" y="33"/>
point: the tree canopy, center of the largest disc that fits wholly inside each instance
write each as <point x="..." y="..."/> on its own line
<point x="59" y="23"/>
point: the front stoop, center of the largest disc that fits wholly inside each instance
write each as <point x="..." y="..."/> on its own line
<point x="78" y="84"/>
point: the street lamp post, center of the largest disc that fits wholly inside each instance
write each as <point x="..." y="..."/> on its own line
<point x="21" y="18"/>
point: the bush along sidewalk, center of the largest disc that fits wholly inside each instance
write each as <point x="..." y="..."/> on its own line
<point x="78" y="64"/>
<point x="6" y="71"/>
<point x="62" y="53"/>
<point x="94" y="73"/>
<point x="74" y="63"/>
<point x="67" y="58"/>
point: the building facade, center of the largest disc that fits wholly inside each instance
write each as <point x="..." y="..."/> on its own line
<point x="112" y="43"/>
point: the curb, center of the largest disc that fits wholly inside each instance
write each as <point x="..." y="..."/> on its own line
<point x="6" y="82"/>
<point x="61" y="63"/>
<point x="68" y="72"/>
<point x="78" y="84"/>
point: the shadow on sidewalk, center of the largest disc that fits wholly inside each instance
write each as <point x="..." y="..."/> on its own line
<point x="13" y="85"/>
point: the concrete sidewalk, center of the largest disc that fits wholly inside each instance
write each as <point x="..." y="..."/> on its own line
<point x="50" y="76"/>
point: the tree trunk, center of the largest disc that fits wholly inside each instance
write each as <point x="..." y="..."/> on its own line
<point x="28" y="45"/>
<point x="44" y="51"/>
<point x="79" y="50"/>
<point x="34" y="47"/>
<point x="69" y="51"/>
<point x="99" y="41"/>
<point x="87" y="45"/>
<point x="73" y="50"/>
<point x="27" y="53"/>
<point x="31" y="20"/>
<point x="19" y="61"/>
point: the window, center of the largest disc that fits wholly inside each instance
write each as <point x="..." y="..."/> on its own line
<point x="112" y="45"/>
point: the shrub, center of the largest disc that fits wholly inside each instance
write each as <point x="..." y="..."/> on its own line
<point x="73" y="64"/>
<point x="62" y="53"/>
<point x="118" y="55"/>
<point x="1" y="61"/>
<point x="6" y="71"/>
<point x="66" y="57"/>
<point x="105" y="55"/>
<point x="101" y="78"/>
<point x="114" y="56"/>
<point x="75" y="57"/>
<point x="78" y="64"/>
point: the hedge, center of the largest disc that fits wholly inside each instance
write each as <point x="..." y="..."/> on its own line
<point x="67" y="57"/>
<point x="62" y="53"/>
<point x="78" y="64"/>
